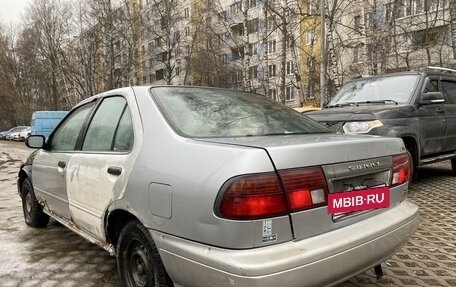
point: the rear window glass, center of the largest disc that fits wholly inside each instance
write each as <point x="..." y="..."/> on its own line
<point x="202" y="112"/>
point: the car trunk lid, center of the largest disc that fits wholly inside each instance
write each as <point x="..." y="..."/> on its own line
<point x="349" y="164"/>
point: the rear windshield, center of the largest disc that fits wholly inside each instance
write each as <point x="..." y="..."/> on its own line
<point x="204" y="112"/>
<point x="396" y="88"/>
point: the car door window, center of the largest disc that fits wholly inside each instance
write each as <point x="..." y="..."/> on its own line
<point x="449" y="92"/>
<point x="66" y="136"/>
<point x="432" y="86"/>
<point x="124" y="135"/>
<point x="102" y="128"/>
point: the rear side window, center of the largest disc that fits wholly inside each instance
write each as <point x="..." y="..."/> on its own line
<point x="109" y="117"/>
<point x="66" y="136"/>
<point x="124" y="136"/>
<point x="449" y="91"/>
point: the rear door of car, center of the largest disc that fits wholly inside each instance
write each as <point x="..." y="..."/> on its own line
<point x="432" y="121"/>
<point x="51" y="164"/>
<point x="449" y="94"/>
<point x="99" y="170"/>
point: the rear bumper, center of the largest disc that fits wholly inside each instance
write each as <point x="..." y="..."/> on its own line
<point x="317" y="261"/>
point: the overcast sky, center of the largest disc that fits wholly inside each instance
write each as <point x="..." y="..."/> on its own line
<point x="11" y="10"/>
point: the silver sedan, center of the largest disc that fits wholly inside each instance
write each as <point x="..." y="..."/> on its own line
<point x="192" y="186"/>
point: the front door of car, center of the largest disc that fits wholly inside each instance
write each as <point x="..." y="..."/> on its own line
<point x="432" y="122"/>
<point x="449" y="94"/>
<point x="98" y="172"/>
<point x="50" y="165"/>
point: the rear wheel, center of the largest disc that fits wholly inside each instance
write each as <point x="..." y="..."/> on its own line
<point x="138" y="260"/>
<point x="413" y="168"/>
<point x="33" y="211"/>
<point x="453" y="166"/>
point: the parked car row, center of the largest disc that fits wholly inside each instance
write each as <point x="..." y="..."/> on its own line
<point x="19" y="133"/>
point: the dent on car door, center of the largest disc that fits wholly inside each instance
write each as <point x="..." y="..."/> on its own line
<point x="98" y="174"/>
<point x="449" y="94"/>
<point x="50" y="164"/>
<point x="432" y="122"/>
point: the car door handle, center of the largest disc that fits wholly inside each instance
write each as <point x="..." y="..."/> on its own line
<point x="61" y="164"/>
<point x="114" y="170"/>
<point x="440" y="111"/>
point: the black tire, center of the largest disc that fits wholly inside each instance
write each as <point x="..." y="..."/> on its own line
<point x="413" y="168"/>
<point x="138" y="260"/>
<point x="33" y="211"/>
<point x="453" y="166"/>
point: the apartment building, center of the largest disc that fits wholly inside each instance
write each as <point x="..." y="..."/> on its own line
<point x="376" y="37"/>
<point x="250" y="45"/>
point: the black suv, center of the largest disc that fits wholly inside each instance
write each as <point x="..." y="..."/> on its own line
<point x="419" y="107"/>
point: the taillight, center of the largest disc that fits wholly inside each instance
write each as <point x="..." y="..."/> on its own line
<point x="253" y="197"/>
<point x="400" y="169"/>
<point x="262" y="196"/>
<point x="305" y="188"/>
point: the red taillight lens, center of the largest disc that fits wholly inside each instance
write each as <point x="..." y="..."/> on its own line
<point x="400" y="169"/>
<point x="252" y="197"/>
<point x="305" y="188"/>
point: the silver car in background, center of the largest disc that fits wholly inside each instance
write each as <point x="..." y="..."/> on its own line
<point x="192" y="186"/>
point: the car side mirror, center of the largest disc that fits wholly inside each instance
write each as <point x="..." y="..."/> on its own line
<point x="35" y="141"/>
<point x="430" y="98"/>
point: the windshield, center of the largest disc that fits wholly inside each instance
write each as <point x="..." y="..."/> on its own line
<point x="396" y="89"/>
<point x="203" y="112"/>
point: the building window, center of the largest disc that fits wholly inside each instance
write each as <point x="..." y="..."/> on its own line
<point x="186" y="13"/>
<point x="178" y="70"/>
<point x="290" y="68"/>
<point x="289" y="93"/>
<point x="253" y="49"/>
<point x="273" y="94"/>
<point x="144" y="78"/>
<point x="357" y="21"/>
<point x="143" y="64"/>
<point x="222" y="17"/>
<point x="187" y="31"/>
<point x="236" y="8"/>
<point x="290" y="42"/>
<point x="272" y="70"/>
<point x="252" y="26"/>
<point x="311" y="8"/>
<point x="310" y="64"/>
<point x="271" y="47"/>
<point x="311" y="91"/>
<point x="253" y="72"/>
<point x="163" y="22"/>
<point x="356" y="55"/>
<point x="252" y="3"/>
<point x="152" y="78"/>
<point x="309" y="37"/>
<point x="160" y="74"/>
<point x="271" y="20"/>
<point x="419" y="5"/>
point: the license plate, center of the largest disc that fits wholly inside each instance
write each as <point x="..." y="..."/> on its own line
<point x="358" y="200"/>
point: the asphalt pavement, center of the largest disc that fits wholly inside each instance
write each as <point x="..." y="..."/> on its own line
<point x="55" y="256"/>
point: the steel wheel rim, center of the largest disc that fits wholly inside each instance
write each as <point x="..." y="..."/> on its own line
<point x="137" y="263"/>
<point x="28" y="203"/>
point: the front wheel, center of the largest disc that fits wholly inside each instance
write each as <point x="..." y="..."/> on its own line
<point x="33" y="211"/>
<point x="138" y="260"/>
<point x="453" y="166"/>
